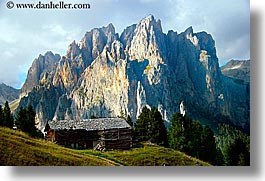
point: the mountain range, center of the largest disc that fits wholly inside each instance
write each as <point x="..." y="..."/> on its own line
<point x="7" y="93"/>
<point x="106" y="74"/>
<point x="237" y="69"/>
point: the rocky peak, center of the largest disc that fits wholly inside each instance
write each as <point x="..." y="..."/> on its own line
<point x="73" y="50"/>
<point x="148" y="41"/>
<point x="190" y="36"/>
<point x="41" y="66"/>
<point x="79" y="57"/>
<point x="150" y="22"/>
<point x="127" y="36"/>
<point x="110" y="29"/>
<point x="93" y="43"/>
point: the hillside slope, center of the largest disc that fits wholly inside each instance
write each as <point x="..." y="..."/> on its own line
<point x="149" y="155"/>
<point x="7" y="93"/>
<point x="17" y="148"/>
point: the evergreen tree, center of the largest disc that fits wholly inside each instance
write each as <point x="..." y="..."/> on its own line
<point x="190" y="137"/>
<point x="237" y="153"/>
<point x="25" y="121"/>
<point x="1" y="116"/>
<point x="158" y="130"/>
<point x="8" y="120"/>
<point x="31" y="114"/>
<point x="21" y="119"/>
<point x="208" y="145"/>
<point x="219" y="160"/>
<point x="150" y="126"/>
<point x="196" y="138"/>
<point x="176" y="132"/>
<point x="142" y="126"/>
<point x="234" y="145"/>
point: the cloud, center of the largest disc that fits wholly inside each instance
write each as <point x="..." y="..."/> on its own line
<point x="24" y="34"/>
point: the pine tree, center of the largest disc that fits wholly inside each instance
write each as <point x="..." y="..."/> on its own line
<point x="234" y="145"/>
<point x="21" y="119"/>
<point x="1" y="116"/>
<point x="208" y="152"/>
<point x="32" y="130"/>
<point x="25" y="121"/>
<point x="158" y="130"/>
<point x="196" y="138"/>
<point x="176" y="132"/>
<point x="8" y="119"/>
<point x="142" y="125"/>
<point x="237" y="153"/>
<point x="190" y="137"/>
<point x="150" y="127"/>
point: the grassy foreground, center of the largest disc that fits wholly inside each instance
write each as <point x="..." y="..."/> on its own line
<point x="17" y="148"/>
<point x="148" y="155"/>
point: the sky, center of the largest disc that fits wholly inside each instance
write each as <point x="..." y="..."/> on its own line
<point x="26" y="33"/>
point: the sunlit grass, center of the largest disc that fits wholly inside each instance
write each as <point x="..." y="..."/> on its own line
<point x="17" y="148"/>
<point x="148" y="155"/>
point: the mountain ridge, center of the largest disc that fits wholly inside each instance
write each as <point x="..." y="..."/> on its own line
<point x="106" y="74"/>
<point x="8" y="93"/>
<point x="237" y="69"/>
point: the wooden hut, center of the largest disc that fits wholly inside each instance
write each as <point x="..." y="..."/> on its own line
<point x="103" y="133"/>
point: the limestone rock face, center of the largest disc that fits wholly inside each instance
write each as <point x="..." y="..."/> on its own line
<point x="44" y="99"/>
<point x="104" y="75"/>
<point x="41" y="71"/>
<point x="103" y="89"/>
<point x="73" y="51"/>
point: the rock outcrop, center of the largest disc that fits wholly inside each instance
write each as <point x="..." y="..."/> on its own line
<point x="105" y="75"/>
<point x="40" y="72"/>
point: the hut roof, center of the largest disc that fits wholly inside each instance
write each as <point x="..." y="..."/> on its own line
<point x="89" y="124"/>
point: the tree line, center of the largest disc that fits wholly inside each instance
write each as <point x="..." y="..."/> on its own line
<point x="24" y="119"/>
<point x="192" y="138"/>
<point x="235" y="145"/>
<point x="229" y="147"/>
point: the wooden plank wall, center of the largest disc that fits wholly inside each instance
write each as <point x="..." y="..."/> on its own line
<point x="82" y="139"/>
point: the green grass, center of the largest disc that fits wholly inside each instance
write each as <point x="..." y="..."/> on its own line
<point x="148" y="155"/>
<point x="18" y="148"/>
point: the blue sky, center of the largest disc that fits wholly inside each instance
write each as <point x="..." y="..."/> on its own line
<point x="24" y="34"/>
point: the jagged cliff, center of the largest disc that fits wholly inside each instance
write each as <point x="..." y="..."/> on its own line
<point x="106" y="74"/>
